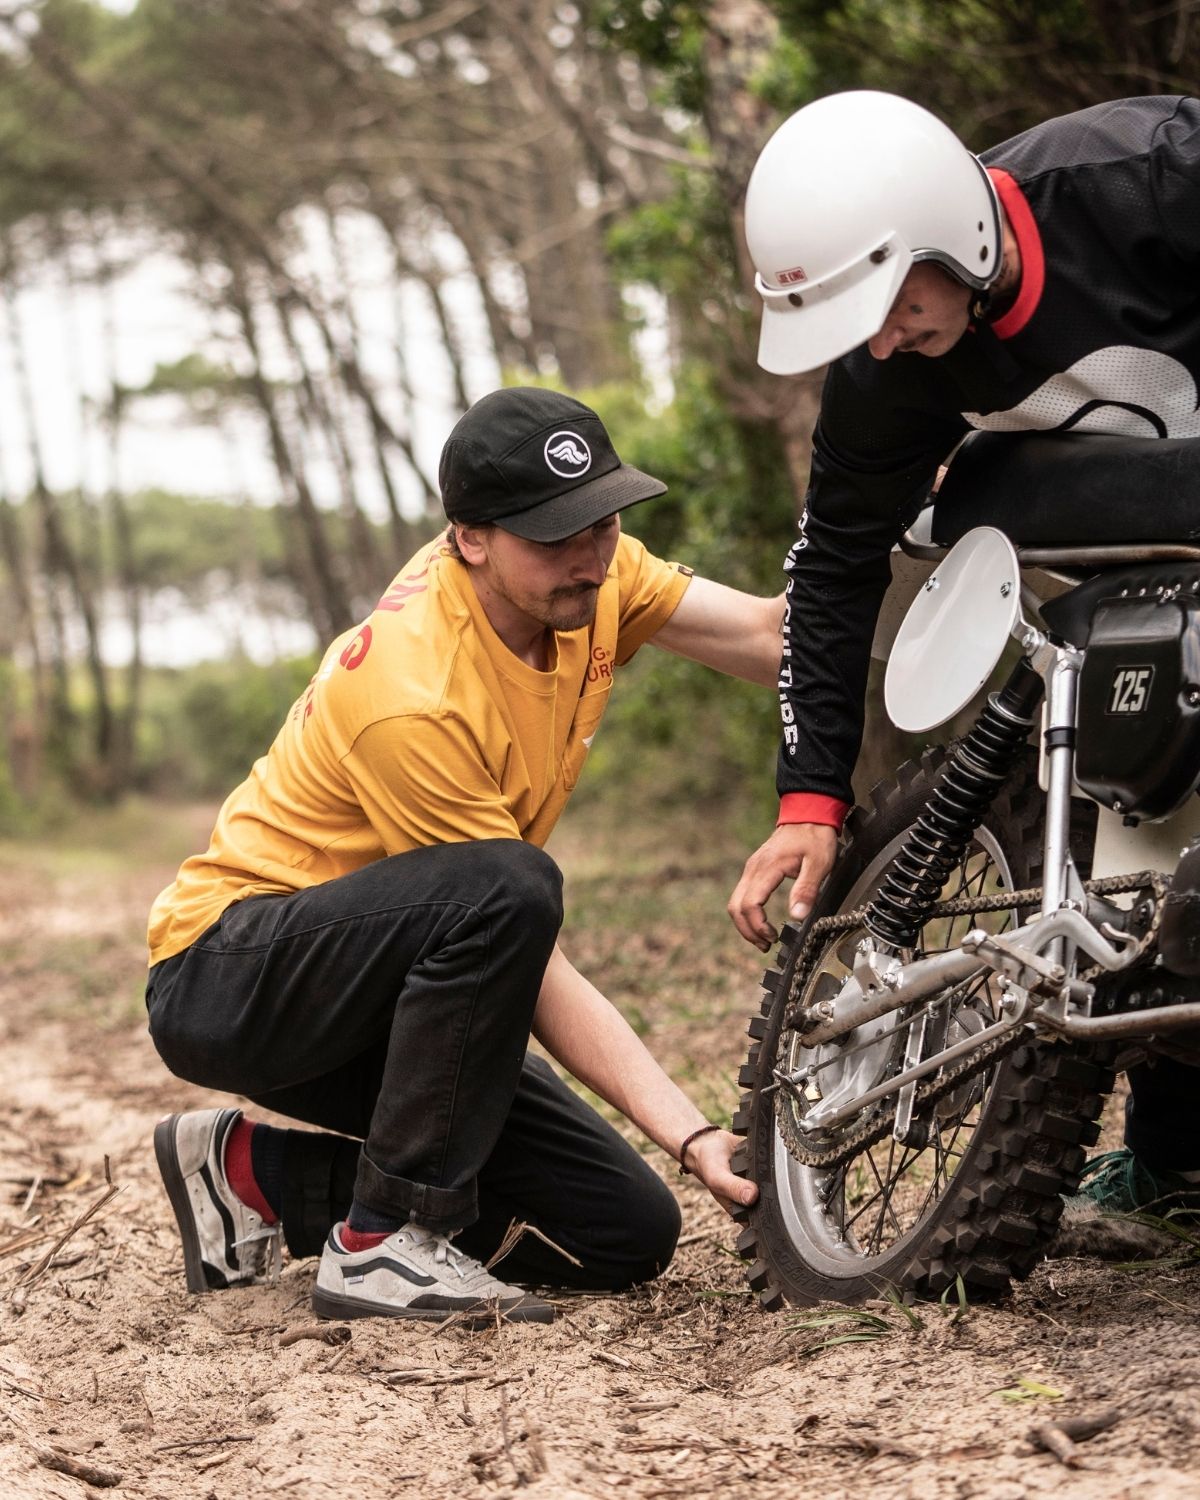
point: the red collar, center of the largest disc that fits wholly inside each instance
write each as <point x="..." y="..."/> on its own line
<point x="1033" y="261"/>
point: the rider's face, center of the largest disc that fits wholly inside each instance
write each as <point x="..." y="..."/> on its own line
<point x="929" y="315"/>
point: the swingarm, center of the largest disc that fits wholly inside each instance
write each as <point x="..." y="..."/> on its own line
<point x="881" y="983"/>
<point x="1039" y="995"/>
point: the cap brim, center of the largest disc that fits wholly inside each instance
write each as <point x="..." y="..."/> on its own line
<point x="824" y="327"/>
<point x="577" y="509"/>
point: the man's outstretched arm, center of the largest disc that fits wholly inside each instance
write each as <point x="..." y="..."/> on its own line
<point x="742" y="635"/>
<point x="593" y="1041"/>
<point x="723" y="628"/>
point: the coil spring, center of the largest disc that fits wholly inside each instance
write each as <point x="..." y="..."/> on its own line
<point x="938" y="840"/>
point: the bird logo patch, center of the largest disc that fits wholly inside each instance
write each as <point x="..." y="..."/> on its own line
<point x="567" y="455"/>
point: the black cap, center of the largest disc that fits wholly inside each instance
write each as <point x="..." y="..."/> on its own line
<point x="538" y="464"/>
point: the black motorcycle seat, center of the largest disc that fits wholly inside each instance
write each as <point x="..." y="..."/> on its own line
<point x="1071" y="489"/>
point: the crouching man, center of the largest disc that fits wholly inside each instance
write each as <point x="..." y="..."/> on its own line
<point x="370" y="938"/>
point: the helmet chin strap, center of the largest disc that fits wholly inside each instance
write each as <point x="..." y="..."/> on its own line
<point x="1000" y="295"/>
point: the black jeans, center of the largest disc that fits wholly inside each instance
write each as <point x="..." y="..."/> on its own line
<point x="395" y="1005"/>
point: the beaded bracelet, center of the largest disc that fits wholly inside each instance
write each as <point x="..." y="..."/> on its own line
<point x="695" y="1135"/>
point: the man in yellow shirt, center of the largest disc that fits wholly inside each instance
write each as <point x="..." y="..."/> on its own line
<point x="370" y="938"/>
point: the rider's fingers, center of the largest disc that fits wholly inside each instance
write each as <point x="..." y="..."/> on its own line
<point x="764" y="933"/>
<point x="745" y="1193"/>
<point x="746" y="907"/>
<point x="736" y="916"/>
<point x="803" y="892"/>
<point x="757" y="927"/>
<point x="752" y="923"/>
<point x="813" y="869"/>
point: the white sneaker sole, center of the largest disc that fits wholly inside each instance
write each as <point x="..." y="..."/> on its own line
<point x="167" y="1156"/>
<point x="328" y="1304"/>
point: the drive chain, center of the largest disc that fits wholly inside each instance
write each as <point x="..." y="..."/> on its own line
<point x="930" y="1091"/>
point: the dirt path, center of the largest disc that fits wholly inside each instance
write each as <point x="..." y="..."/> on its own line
<point x="683" y="1389"/>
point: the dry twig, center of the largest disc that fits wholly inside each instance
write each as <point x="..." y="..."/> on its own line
<point x="22" y="1241"/>
<point x="515" y="1233"/>
<point x="1062" y="1437"/>
<point x="424" y="1376"/>
<point x="31" y="1194"/>
<point x="63" y="1463"/>
<point x="325" y="1333"/>
<point x="611" y="1359"/>
<point x="209" y="1442"/>
<point x="43" y="1265"/>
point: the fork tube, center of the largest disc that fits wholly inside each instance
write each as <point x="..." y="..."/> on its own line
<point x="1061" y="694"/>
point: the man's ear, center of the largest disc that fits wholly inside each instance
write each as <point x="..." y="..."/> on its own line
<point x="471" y="543"/>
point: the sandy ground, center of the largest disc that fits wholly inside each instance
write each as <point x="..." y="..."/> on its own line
<point x="683" y="1389"/>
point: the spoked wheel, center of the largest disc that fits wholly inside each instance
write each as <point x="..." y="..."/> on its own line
<point x="973" y="1186"/>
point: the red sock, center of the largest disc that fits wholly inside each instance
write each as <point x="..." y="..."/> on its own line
<point x="361" y="1239"/>
<point x="239" y="1170"/>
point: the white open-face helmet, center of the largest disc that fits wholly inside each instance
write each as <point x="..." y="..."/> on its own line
<point x="846" y="195"/>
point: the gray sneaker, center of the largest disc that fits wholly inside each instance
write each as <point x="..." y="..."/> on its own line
<point x="225" y="1242"/>
<point x="416" y="1273"/>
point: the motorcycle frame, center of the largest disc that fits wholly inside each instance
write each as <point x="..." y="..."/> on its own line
<point x="1035" y="962"/>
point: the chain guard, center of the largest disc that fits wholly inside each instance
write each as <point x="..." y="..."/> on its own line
<point x="930" y="1090"/>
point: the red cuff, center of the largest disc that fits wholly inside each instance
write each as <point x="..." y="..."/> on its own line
<point x="811" y="807"/>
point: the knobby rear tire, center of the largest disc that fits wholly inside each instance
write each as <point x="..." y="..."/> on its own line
<point x="1002" y="1205"/>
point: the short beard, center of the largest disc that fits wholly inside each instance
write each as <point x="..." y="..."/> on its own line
<point x="572" y="610"/>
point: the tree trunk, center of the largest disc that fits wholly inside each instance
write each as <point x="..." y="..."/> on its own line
<point x="318" y="412"/>
<point x="26" y="741"/>
<point x="317" y="576"/>
<point x="129" y="577"/>
<point x="61" y="562"/>
<point x="741" y="35"/>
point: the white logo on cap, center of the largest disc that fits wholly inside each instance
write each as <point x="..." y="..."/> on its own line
<point x="567" y="455"/>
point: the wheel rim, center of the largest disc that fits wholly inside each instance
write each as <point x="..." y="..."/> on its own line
<point x="869" y="1210"/>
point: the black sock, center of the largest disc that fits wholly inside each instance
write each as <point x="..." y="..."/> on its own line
<point x="267" y="1146"/>
<point x="367" y="1221"/>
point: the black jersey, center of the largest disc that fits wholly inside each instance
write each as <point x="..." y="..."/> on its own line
<point x="1104" y="337"/>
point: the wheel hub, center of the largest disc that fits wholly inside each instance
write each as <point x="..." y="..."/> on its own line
<point x="839" y="1071"/>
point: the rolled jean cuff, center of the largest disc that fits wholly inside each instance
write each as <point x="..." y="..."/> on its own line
<point x="400" y="1198"/>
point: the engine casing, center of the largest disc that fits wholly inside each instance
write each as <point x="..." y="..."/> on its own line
<point x="1138" y="746"/>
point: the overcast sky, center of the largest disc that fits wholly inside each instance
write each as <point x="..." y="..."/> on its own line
<point x="158" y="321"/>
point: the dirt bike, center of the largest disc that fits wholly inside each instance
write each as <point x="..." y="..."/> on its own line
<point x="935" y="1042"/>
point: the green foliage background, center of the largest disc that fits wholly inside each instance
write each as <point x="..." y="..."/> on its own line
<point x="287" y="126"/>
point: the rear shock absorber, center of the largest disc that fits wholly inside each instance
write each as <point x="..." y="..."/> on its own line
<point x="938" y="840"/>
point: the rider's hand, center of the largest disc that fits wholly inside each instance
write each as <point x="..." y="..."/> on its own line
<point x="708" y="1159"/>
<point x="802" y="851"/>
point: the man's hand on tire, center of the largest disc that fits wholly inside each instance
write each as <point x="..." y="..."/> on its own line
<point x="708" y="1159"/>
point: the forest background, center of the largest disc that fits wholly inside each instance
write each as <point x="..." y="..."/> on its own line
<point x="380" y="211"/>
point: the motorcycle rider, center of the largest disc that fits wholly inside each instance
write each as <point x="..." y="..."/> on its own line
<point x="1049" y="284"/>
